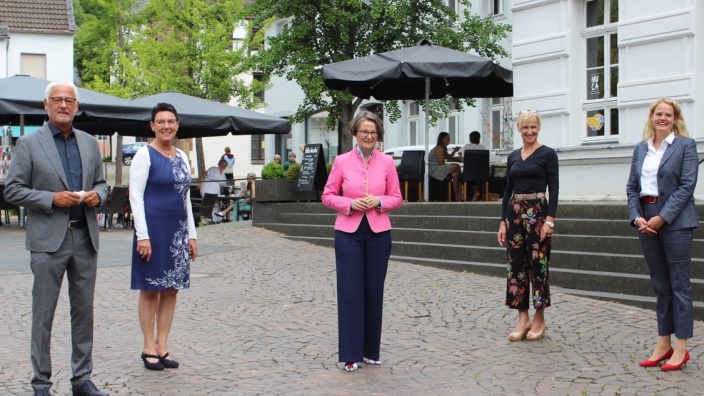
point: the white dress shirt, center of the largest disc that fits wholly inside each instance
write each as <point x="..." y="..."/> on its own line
<point x="649" y="172"/>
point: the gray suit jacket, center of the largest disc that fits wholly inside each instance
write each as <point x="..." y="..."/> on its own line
<point x="677" y="177"/>
<point x="36" y="174"/>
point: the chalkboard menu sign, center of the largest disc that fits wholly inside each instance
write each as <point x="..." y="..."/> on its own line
<point x="314" y="173"/>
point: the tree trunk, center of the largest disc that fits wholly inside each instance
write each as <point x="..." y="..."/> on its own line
<point x="118" y="161"/>
<point x="200" y="156"/>
<point x="343" y="132"/>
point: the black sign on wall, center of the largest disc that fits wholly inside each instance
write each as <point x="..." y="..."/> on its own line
<point x="595" y="85"/>
<point x="314" y="173"/>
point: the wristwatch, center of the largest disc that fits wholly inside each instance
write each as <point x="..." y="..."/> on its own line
<point x="550" y="223"/>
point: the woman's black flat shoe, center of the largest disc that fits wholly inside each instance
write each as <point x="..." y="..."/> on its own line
<point x="152" y="366"/>
<point x="168" y="363"/>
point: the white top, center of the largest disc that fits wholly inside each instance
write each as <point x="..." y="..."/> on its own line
<point x="213" y="181"/>
<point x="651" y="163"/>
<point x="139" y="172"/>
<point x="472" y="146"/>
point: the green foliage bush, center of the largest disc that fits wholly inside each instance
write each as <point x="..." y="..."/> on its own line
<point x="273" y="171"/>
<point x="294" y="172"/>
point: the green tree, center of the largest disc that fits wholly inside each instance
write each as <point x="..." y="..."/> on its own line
<point x="179" y="45"/>
<point x="187" y="46"/>
<point x="100" y="50"/>
<point x="324" y="31"/>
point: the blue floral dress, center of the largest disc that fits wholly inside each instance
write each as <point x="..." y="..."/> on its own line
<point x="165" y="210"/>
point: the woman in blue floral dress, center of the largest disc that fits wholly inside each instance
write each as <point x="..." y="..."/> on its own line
<point x="165" y="234"/>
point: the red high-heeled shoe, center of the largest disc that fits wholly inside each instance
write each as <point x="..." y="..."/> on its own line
<point x="653" y="363"/>
<point x="673" y="367"/>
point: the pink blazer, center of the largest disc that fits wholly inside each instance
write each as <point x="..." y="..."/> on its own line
<point x="349" y="177"/>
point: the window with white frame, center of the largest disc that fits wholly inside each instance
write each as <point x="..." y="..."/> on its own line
<point x="454" y="5"/>
<point x="496" y="7"/>
<point x="495" y="127"/>
<point x="33" y="65"/>
<point x="453" y="123"/>
<point x="413" y="113"/>
<point x="601" y="77"/>
<point x="499" y="126"/>
<point x="412" y="133"/>
<point x="257" y="149"/>
<point x="453" y="128"/>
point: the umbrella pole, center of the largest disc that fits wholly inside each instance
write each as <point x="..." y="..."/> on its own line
<point x="426" y="182"/>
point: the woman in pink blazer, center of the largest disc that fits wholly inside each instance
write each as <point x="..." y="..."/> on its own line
<point x="362" y="187"/>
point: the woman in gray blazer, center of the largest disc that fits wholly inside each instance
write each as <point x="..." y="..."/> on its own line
<point x="661" y="207"/>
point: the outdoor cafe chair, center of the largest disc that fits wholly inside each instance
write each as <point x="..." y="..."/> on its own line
<point x="412" y="169"/>
<point x="476" y="170"/>
<point x="115" y="204"/>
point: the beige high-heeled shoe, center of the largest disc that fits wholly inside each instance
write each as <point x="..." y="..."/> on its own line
<point x="519" y="335"/>
<point x="537" y="336"/>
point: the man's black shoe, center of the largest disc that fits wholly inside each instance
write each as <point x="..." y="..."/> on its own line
<point x="42" y="392"/>
<point x="88" y="388"/>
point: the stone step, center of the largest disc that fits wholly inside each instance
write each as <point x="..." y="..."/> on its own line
<point x="595" y="250"/>
<point x="628" y="289"/>
<point x="566" y="210"/>
<point x="575" y="227"/>
<point x="626" y="245"/>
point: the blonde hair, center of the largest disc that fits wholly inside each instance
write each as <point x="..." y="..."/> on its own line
<point x="679" y="125"/>
<point x="525" y="116"/>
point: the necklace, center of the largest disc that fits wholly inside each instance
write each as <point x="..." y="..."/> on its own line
<point x="170" y="153"/>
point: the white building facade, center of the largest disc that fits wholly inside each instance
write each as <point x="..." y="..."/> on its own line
<point x="592" y="68"/>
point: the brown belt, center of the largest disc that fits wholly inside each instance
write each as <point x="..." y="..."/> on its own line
<point x="521" y="197"/>
<point x="647" y="199"/>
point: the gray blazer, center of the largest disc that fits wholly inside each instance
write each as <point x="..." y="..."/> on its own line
<point x="36" y="174"/>
<point x="677" y="177"/>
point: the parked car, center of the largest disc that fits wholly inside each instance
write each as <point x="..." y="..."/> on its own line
<point x="129" y="150"/>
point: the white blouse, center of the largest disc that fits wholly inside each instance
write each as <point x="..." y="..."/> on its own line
<point x="651" y="163"/>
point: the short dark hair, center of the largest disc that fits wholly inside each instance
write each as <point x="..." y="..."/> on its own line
<point x="474" y="137"/>
<point x="164" y="107"/>
<point x="368" y="116"/>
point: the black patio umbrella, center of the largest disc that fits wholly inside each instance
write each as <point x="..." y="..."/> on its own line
<point x="200" y="117"/>
<point x="22" y="103"/>
<point x="422" y="71"/>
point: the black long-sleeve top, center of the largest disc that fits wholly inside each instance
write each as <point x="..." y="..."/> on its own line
<point x="538" y="173"/>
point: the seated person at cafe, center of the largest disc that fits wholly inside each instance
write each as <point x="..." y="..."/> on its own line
<point x="246" y="205"/>
<point x="439" y="166"/>
<point x="210" y="183"/>
<point x="474" y="145"/>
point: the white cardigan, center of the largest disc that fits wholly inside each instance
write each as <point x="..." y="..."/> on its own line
<point x="139" y="172"/>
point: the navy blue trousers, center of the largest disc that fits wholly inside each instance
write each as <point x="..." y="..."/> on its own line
<point x="669" y="258"/>
<point x="362" y="258"/>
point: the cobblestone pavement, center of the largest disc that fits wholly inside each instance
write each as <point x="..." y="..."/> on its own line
<point x="260" y="319"/>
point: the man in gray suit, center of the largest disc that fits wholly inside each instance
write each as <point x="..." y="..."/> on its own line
<point x="57" y="175"/>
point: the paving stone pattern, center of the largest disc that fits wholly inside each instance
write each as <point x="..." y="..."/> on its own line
<point x="260" y="319"/>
